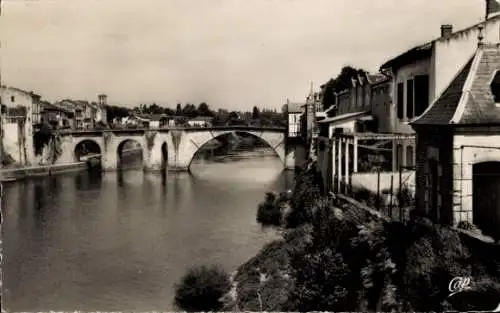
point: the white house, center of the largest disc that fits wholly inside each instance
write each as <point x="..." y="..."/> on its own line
<point x="295" y="112"/>
<point x="17" y="123"/>
<point x="201" y="121"/>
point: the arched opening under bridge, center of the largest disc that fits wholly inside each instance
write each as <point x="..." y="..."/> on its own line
<point x="88" y="151"/>
<point x="130" y="154"/>
<point x="234" y="147"/>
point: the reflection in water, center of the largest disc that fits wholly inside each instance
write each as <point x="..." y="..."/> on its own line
<point x="119" y="241"/>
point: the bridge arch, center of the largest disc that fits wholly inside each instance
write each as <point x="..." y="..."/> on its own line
<point x="274" y="139"/>
<point x="130" y="151"/>
<point x="87" y="146"/>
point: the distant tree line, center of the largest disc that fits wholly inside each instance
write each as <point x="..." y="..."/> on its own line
<point x="257" y="117"/>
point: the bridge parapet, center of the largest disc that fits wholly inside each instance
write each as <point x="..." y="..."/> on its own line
<point x="166" y="129"/>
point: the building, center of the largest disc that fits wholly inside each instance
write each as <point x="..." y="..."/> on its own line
<point x="421" y="73"/>
<point x="354" y="108"/>
<point x="57" y="116"/>
<point x="102" y="115"/>
<point x="201" y="121"/>
<point x="458" y="146"/>
<point x="86" y="114"/>
<point x="17" y="124"/>
<point x="159" y="120"/>
<point x="295" y="112"/>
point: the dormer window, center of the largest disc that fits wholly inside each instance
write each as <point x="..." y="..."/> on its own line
<point x="495" y="88"/>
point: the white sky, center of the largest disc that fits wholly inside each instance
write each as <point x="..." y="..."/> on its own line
<point x="232" y="54"/>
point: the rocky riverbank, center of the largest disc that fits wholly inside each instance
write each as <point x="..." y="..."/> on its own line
<point x="347" y="257"/>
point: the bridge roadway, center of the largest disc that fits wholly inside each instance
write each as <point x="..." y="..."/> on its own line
<point x="172" y="147"/>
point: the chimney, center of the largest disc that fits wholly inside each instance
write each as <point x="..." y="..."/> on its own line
<point x="492" y="7"/>
<point x="446" y="30"/>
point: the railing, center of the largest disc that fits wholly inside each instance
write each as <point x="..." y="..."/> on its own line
<point x="144" y="129"/>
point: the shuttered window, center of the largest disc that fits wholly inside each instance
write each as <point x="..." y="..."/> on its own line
<point x="421" y="94"/>
<point x="410" y="112"/>
<point x="400" y="99"/>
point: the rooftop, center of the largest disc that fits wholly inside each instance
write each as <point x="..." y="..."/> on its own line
<point x="202" y="118"/>
<point x="425" y="50"/>
<point x="468" y="99"/>
<point x="295" y="107"/>
<point x="344" y="117"/>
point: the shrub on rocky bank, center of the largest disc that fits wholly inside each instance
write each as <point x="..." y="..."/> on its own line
<point x="202" y="288"/>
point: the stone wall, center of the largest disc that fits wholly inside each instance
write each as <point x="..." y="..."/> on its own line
<point x="470" y="149"/>
<point x="435" y="144"/>
<point x="370" y="181"/>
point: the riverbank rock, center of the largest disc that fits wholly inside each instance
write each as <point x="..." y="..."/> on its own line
<point x="263" y="283"/>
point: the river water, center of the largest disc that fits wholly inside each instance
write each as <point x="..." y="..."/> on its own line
<point x="120" y="241"/>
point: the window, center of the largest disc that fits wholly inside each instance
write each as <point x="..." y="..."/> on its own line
<point x="421" y="94"/>
<point x="399" y="156"/>
<point x="495" y="87"/>
<point x="409" y="99"/>
<point x="12" y="99"/>
<point x="400" y="108"/>
<point x="409" y="156"/>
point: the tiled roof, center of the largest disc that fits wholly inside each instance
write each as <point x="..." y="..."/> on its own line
<point x="295" y="107"/>
<point x="377" y="78"/>
<point x="29" y="93"/>
<point x="202" y="118"/>
<point x="158" y="117"/>
<point x="468" y="99"/>
<point x="443" y="109"/>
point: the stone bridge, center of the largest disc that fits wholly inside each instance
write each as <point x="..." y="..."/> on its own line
<point x="172" y="148"/>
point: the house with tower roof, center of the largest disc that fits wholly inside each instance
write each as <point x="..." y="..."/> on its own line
<point x="458" y="145"/>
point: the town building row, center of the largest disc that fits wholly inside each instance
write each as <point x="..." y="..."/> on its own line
<point x="27" y="107"/>
<point x="432" y="112"/>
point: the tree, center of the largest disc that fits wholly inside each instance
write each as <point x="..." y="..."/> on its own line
<point x="168" y="111"/>
<point x="189" y="111"/>
<point x="204" y="110"/>
<point x="178" y="110"/>
<point x="116" y="111"/>
<point x="255" y="113"/>
<point x="233" y="115"/>
<point x="340" y="83"/>
<point x="202" y="288"/>
<point x="221" y="118"/>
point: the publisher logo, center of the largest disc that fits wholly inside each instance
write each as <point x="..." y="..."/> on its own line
<point x="459" y="284"/>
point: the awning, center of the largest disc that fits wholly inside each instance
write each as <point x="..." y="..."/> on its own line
<point x="366" y="118"/>
<point x="345" y="117"/>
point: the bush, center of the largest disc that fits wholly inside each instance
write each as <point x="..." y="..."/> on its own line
<point x="466" y="225"/>
<point x="270" y="212"/>
<point x="202" y="288"/>
<point x="405" y="197"/>
<point x="304" y="196"/>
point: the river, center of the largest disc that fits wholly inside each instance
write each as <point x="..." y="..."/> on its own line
<point x="120" y="241"/>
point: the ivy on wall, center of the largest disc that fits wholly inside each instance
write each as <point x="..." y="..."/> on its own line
<point x="176" y="138"/>
<point x="57" y="147"/>
<point x="107" y="138"/>
<point x="150" y="139"/>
